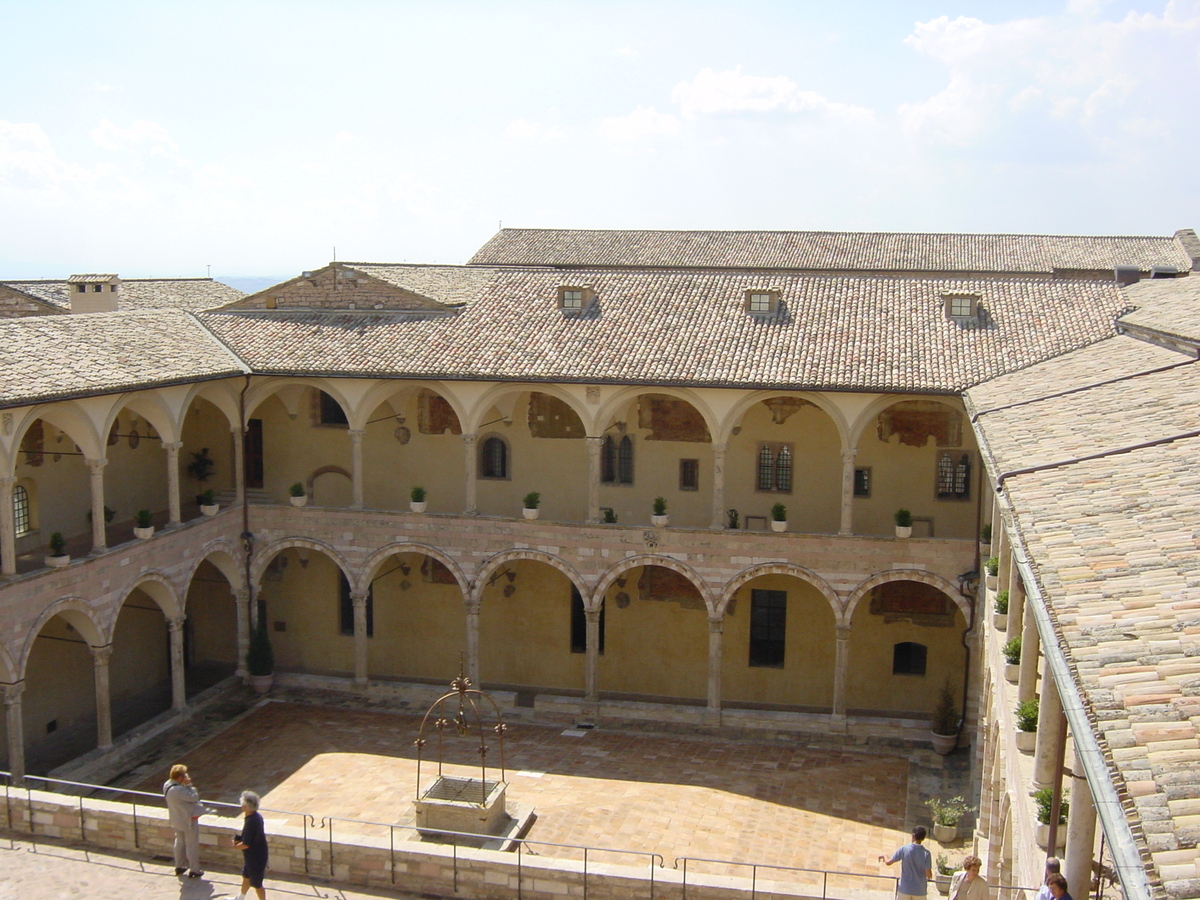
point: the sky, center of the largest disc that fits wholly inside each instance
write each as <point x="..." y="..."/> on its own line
<point x="264" y="138"/>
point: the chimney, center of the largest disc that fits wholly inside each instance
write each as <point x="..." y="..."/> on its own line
<point x="94" y="293"/>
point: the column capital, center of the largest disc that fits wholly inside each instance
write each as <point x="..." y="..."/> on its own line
<point x="719" y="448"/>
<point x="101" y="655"/>
<point x="241" y="595"/>
<point x="594" y="440"/>
<point x="469" y="438"/>
<point x="356" y="433"/>
<point x="96" y="464"/>
<point x="7" y="481"/>
<point x="172" y="446"/>
<point x="716" y="624"/>
<point x="843" y="632"/>
<point x="848" y="454"/>
<point x="472" y="607"/>
<point x="175" y="624"/>
<point x="358" y="598"/>
<point x="591" y="615"/>
<point x="12" y="692"/>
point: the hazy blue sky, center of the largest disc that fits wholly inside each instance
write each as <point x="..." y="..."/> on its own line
<point x="161" y="137"/>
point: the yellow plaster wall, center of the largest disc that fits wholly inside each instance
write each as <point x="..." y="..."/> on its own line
<point x="420" y="631"/>
<point x="59" y="684"/>
<point x="653" y="646"/>
<point x="806" y="678"/>
<point x="141" y="656"/>
<point x="306" y="599"/>
<point x="525" y="639"/>
<point x="62" y="493"/>
<point x="293" y="449"/>
<point x="814" y="505"/>
<point x="436" y="462"/>
<point x="135" y="478"/>
<point x="206" y="426"/>
<point x="211" y="617"/>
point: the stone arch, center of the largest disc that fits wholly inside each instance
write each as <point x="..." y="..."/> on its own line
<point x="807" y="575"/>
<point x="494" y="562"/>
<point x="937" y="581"/>
<point x="150" y="406"/>
<point x="8" y="666"/>
<point x="220" y="395"/>
<point x="376" y="560"/>
<point x="650" y="559"/>
<point x="68" y="418"/>
<point x="78" y="613"/>
<point x="225" y="556"/>
<point x="263" y="390"/>
<point x="385" y="391"/>
<point x="622" y="398"/>
<point x="159" y="588"/>
<point x="326" y="470"/>
<point x="263" y="558"/>
<point x="493" y="395"/>
<point x="821" y="402"/>
<point x="868" y="415"/>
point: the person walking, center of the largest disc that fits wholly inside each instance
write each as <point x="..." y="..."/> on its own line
<point x="1058" y="887"/>
<point x="183" y="805"/>
<point x="1053" y="867"/>
<point x="253" y="844"/>
<point x="916" y="867"/>
<point x="966" y="884"/>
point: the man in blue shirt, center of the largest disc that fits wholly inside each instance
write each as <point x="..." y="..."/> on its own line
<point x="916" y="867"/>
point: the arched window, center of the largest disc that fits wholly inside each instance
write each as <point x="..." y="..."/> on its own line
<point x="908" y="658"/>
<point x="493" y="458"/>
<point x="616" y="460"/>
<point x="21" y="518"/>
<point x="625" y="461"/>
<point x="608" y="460"/>
<point x="774" y="470"/>
<point x="766" y="468"/>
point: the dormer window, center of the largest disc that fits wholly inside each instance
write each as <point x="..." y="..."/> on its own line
<point x="961" y="307"/>
<point x="574" y="298"/>
<point x="81" y="288"/>
<point x="760" y="302"/>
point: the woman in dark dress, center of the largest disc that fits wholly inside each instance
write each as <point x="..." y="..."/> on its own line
<point x="253" y="844"/>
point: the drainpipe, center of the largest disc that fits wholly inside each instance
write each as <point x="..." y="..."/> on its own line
<point x="247" y="535"/>
<point x="974" y="600"/>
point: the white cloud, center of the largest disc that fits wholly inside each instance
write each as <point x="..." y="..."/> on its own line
<point x="526" y="130"/>
<point x="627" y="52"/>
<point x="141" y="135"/>
<point x="719" y="93"/>
<point x="101" y="88"/>
<point x="640" y="125"/>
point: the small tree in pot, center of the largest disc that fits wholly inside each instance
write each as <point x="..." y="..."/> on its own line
<point x="532" y="501"/>
<point x="779" y="517"/>
<point x="208" y="502"/>
<point x="260" y="658"/>
<point x="416" y="499"/>
<point x="1027" y="723"/>
<point x="58" y="550"/>
<point x="903" y="519"/>
<point x="945" y="721"/>
<point x="946" y="816"/>
<point x="1012" y="659"/>
<point x="299" y="495"/>
<point x="143" y="527"/>
<point x="659" y="515"/>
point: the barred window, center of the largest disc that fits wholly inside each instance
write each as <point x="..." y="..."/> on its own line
<point x="616" y="461"/>
<point x="625" y="461"/>
<point x="493" y="458"/>
<point x="768" y="625"/>
<point x="954" y="475"/>
<point x="689" y="474"/>
<point x="21" y="510"/>
<point x="608" y="460"/>
<point x="774" y="471"/>
<point x="862" y="482"/>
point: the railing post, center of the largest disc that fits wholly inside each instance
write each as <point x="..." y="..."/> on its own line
<point x="753" y="882"/>
<point x="585" y="850"/>
<point x="135" y="831"/>
<point x="392" y="850"/>
<point x="520" y="845"/>
<point x="685" y="878"/>
<point x="82" y="830"/>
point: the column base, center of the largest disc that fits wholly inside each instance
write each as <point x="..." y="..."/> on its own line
<point x="712" y="716"/>
<point x="837" y="723"/>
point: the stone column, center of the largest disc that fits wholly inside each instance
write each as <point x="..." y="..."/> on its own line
<point x="241" y="601"/>
<point x="359" y="599"/>
<point x="99" y="534"/>
<point x="1004" y="553"/>
<point x="841" y="669"/>
<point x="239" y="464"/>
<point x="1081" y="833"/>
<point x="847" y="523"/>
<point x="592" y="663"/>
<point x="100" y="659"/>
<point x="594" y="446"/>
<point x="472" y="509"/>
<point x="718" y="486"/>
<point x="8" y="528"/>
<point x="1049" y="731"/>
<point x="716" y="636"/>
<point x="178" y="678"/>
<point x="356" y="467"/>
<point x="174" y="513"/>
<point x="1016" y="601"/>
<point x="16" y="731"/>
<point x="1030" y="652"/>
<point x="473" y="642"/>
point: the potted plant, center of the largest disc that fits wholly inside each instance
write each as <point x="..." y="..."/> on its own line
<point x="734" y="519"/>
<point x="985" y="537"/>
<point x="1000" y="616"/>
<point x="659" y="517"/>
<point x="208" y="502"/>
<point x="531" y="501"/>
<point x="779" y="517"/>
<point x="942" y="873"/>
<point x="1043" y="798"/>
<point x="201" y="468"/>
<point x="260" y="658"/>
<point x="1027" y="722"/>
<point x="299" y="496"/>
<point x="1012" y="659"/>
<point x="946" y="815"/>
<point x="903" y="523"/>
<point x="143" y="524"/>
<point x="992" y="567"/>
<point x="109" y="515"/>
<point x="610" y="515"/>
<point x="58" y="551"/>
<point x="416" y="499"/>
<point x="945" y="721"/>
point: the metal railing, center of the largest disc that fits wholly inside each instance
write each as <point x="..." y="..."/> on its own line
<point x="885" y="890"/>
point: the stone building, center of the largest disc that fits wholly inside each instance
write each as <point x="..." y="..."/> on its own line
<point x="1039" y="385"/>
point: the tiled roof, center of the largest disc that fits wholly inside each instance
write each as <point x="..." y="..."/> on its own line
<point x="1167" y="305"/>
<point x="48" y="357"/>
<point x="849" y="332"/>
<point x="825" y="250"/>
<point x="1115" y="544"/>
<point x="139" y="293"/>
<point x="451" y="285"/>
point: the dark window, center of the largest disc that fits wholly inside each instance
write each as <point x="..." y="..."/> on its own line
<point x="331" y="411"/>
<point x="774" y="471"/>
<point x="97" y="288"/>
<point x="768" y="625"/>
<point x="579" y="624"/>
<point x="21" y="510"/>
<point x="625" y="461"/>
<point x="253" y="461"/>
<point x="862" y="482"/>
<point x="908" y="658"/>
<point x="954" y="475"/>
<point x="493" y="458"/>
<point x="608" y="460"/>
<point x="81" y="288"/>
<point x="689" y="474"/>
<point x="346" y="608"/>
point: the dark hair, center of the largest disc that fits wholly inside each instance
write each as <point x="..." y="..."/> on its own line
<point x="1057" y="881"/>
<point x="919" y="833"/>
<point x="1053" y="865"/>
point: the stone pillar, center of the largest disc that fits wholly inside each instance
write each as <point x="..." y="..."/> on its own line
<point x="718" y="486"/>
<point x="841" y="669"/>
<point x="1030" y="652"/>
<point x="174" y="513"/>
<point x="8" y="528"/>
<point x="100" y="659"/>
<point x="847" y="523"/>
<point x="472" y="509"/>
<point x="594" y="446"/>
<point x="592" y="663"/>
<point x="359" y="599"/>
<point x="178" y="680"/>
<point x="1004" y="553"/>
<point x="356" y="468"/>
<point x="1081" y="833"/>
<point x="473" y="642"/>
<point x="239" y="464"/>
<point x="99" y="534"/>
<point x="1049" y="731"/>
<point x="1016" y="601"/>
<point x="716" y="635"/>
<point x="241" y="601"/>
<point x="16" y="731"/>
